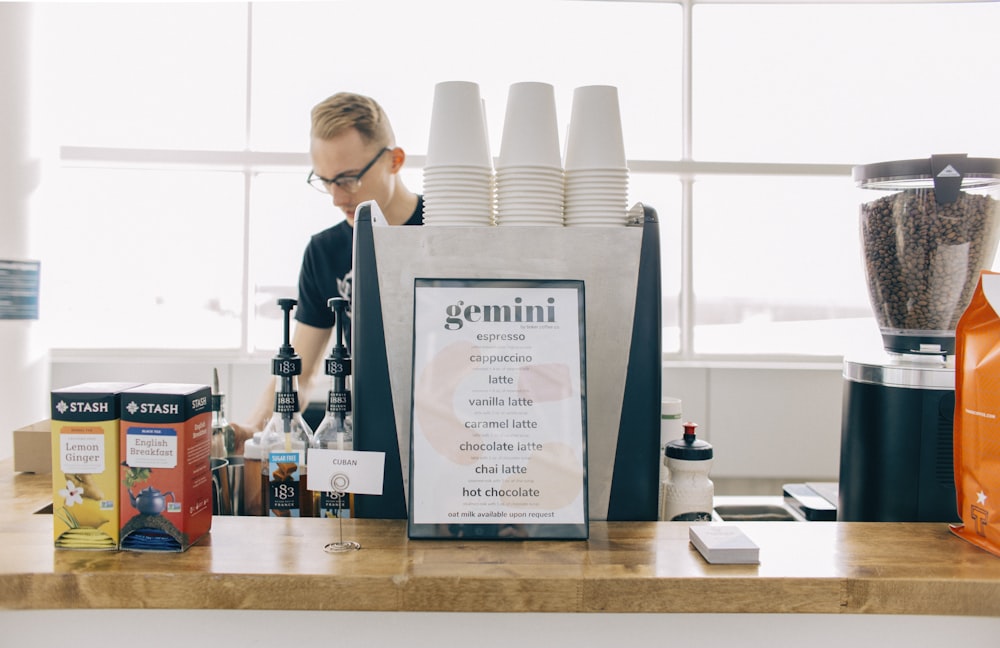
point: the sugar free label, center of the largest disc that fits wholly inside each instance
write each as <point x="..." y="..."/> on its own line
<point x="284" y="481"/>
<point x="81" y="451"/>
<point x="150" y="447"/>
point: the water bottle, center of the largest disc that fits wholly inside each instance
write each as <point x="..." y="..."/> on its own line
<point x="687" y="492"/>
<point x="671" y="427"/>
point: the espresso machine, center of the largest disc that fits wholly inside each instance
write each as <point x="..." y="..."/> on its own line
<point x="928" y="227"/>
<point x="620" y="269"/>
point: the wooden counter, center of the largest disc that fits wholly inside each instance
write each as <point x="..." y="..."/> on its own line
<point x="272" y="564"/>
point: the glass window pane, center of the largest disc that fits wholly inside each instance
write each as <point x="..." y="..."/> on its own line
<point x="144" y="259"/>
<point x="776" y="260"/>
<point x="777" y="266"/>
<point x="285" y="212"/>
<point x="844" y="83"/>
<point x="663" y="193"/>
<point x="145" y="75"/>
<point x="635" y="46"/>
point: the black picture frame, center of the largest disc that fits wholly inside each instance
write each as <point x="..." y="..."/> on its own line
<point x="483" y="516"/>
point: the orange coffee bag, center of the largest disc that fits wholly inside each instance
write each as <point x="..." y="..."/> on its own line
<point x="977" y="416"/>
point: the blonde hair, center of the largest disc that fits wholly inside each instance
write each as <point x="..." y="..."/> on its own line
<point x="346" y="110"/>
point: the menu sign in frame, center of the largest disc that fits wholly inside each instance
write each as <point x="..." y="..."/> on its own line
<point x="498" y="425"/>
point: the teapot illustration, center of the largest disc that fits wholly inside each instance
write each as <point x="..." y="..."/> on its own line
<point x="150" y="501"/>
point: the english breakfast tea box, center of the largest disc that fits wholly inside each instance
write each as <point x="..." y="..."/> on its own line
<point x="166" y="477"/>
<point x="85" y="494"/>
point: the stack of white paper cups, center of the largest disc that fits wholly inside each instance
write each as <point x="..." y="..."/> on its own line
<point x="529" y="178"/>
<point x="596" y="171"/>
<point x="458" y="176"/>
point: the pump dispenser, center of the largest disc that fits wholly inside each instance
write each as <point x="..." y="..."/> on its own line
<point x="688" y="492"/>
<point x="336" y="432"/>
<point x="286" y="435"/>
<point x="223" y="436"/>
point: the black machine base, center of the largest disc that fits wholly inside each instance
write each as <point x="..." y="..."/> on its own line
<point x="896" y="454"/>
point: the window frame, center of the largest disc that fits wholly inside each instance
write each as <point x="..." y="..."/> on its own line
<point x="684" y="171"/>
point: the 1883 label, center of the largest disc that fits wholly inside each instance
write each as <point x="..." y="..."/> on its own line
<point x="284" y="495"/>
<point x="334" y="505"/>
<point x="338" y="402"/>
<point x="286" y="402"/>
<point x="338" y="367"/>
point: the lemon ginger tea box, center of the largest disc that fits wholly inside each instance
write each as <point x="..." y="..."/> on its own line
<point x="85" y="494"/>
<point x="166" y="475"/>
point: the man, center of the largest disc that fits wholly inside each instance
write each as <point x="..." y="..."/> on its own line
<point x="354" y="159"/>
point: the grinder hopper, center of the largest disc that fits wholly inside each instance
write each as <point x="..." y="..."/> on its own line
<point x="928" y="227"/>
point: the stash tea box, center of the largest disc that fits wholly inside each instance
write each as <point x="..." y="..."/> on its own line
<point x="166" y="480"/>
<point x="85" y="493"/>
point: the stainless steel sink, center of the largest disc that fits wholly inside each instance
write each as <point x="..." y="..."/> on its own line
<point x="754" y="513"/>
<point x="754" y="508"/>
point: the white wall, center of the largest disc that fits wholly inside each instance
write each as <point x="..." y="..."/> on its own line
<point x="243" y="382"/>
<point x="24" y="361"/>
<point x="763" y="422"/>
<point x="775" y="423"/>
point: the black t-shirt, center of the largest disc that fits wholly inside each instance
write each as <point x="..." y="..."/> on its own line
<point x="327" y="271"/>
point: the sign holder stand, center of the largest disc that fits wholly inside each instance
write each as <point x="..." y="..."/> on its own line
<point x="341" y="546"/>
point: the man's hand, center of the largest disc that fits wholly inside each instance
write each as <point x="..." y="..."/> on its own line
<point x="243" y="433"/>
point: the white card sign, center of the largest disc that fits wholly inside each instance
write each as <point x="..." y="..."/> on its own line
<point x="498" y="423"/>
<point x="345" y="471"/>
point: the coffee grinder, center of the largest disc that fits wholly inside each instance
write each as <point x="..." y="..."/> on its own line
<point x="928" y="227"/>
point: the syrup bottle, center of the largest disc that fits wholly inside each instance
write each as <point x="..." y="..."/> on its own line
<point x="224" y="447"/>
<point x="286" y="435"/>
<point x="223" y="437"/>
<point x="255" y="474"/>
<point x="336" y="432"/>
<point x="688" y="492"/>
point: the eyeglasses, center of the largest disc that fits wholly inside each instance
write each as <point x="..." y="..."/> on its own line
<point x="348" y="183"/>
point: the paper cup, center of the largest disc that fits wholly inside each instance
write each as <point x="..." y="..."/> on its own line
<point x="530" y="129"/>
<point x="458" y="127"/>
<point x="595" y="139"/>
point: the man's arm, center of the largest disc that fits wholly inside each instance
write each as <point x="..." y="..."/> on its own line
<point x="310" y="343"/>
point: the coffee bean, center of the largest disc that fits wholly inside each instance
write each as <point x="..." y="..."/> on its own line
<point x="922" y="259"/>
